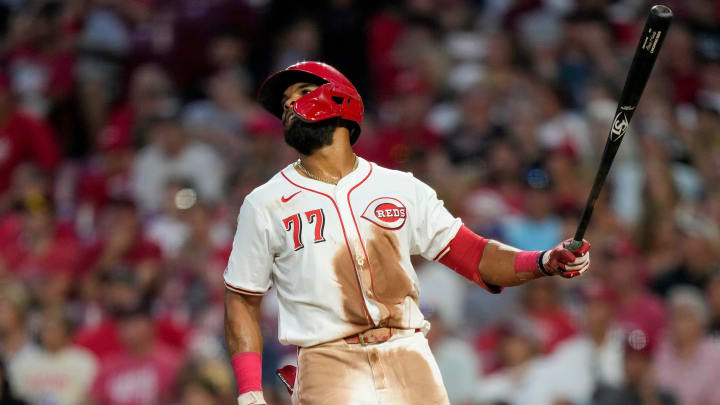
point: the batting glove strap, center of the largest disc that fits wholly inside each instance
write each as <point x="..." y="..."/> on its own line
<point x="540" y="264"/>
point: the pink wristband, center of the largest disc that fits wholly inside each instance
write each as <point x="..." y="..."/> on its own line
<point x="248" y="371"/>
<point x="526" y="262"/>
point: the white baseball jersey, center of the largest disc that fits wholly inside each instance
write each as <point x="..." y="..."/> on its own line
<point x="339" y="255"/>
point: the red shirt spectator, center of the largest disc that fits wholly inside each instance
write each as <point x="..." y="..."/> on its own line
<point x="635" y="306"/>
<point x="150" y="96"/>
<point x="23" y="138"/>
<point x="59" y="68"/>
<point x="144" y="372"/>
<point x="122" y="242"/>
<point x="143" y="380"/>
<point x="643" y="311"/>
<point x="109" y="253"/>
<point x="553" y="323"/>
<point x="103" y="340"/>
<point x="554" y="326"/>
<point x="33" y="245"/>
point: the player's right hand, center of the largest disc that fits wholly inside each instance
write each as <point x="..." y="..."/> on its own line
<point x="252" y="398"/>
<point x="566" y="263"/>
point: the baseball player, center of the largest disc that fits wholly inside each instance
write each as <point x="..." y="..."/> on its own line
<point x="334" y="234"/>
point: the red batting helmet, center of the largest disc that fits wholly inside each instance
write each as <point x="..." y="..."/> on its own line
<point x="336" y="96"/>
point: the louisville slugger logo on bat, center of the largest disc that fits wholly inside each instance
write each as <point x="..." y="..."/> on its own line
<point x="619" y="127"/>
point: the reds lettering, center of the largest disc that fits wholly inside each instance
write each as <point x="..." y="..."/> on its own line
<point x="386" y="212"/>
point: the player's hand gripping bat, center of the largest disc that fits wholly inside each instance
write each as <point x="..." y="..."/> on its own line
<point x="653" y="34"/>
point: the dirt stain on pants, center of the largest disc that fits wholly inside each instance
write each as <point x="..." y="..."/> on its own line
<point x="401" y="371"/>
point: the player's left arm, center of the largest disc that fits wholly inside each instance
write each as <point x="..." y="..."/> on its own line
<point x="437" y="235"/>
<point x="504" y="265"/>
<point x="493" y="264"/>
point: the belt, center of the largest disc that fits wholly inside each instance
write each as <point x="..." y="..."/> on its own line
<point x="377" y="335"/>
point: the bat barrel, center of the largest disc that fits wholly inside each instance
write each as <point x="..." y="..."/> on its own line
<point x="646" y="53"/>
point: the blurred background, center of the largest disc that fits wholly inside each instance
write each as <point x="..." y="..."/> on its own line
<point x="129" y="136"/>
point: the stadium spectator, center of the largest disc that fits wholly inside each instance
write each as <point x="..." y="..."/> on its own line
<point x="40" y="59"/>
<point x="533" y="230"/>
<point x="144" y="371"/>
<point x="170" y="155"/>
<point x="13" y="324"/>
<point x="169" y="228"/>
<point x="520" y="381"/>
<point x="549" y="318"/>
<point x="594" y="358"/>
<point x="107" y="294"/>
<point x="698" y="257"/>
<point x="688" y="362"/>
<point x="458" y="363"/>
<point x="38" y="249"/>
<point x="22" y="139"/>
<point x="639" y="386"/>
<point x="106" y="176"/>
<point x="6" y="394"/>
<point x="150" y="95"/>
<point x="222" y="119"/>
<point x="713" y="298"/>
<point x="122" y="243"/>
<point x="57" y="372"/>
<point x="403" y="138"/>
<point x="635" y="308"/>
<point x="475" y="132"/>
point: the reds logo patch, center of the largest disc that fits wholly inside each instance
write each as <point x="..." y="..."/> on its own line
<point x="386" y="212"/>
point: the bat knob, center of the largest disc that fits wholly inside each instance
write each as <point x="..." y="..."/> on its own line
<point x="661" y="11"/>
<point x="574" y="245"/>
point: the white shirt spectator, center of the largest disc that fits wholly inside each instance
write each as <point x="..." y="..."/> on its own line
<point x="62" y="378"/>
<point x="566" y="127"/>
<point x="459" y="366"/>
<point x="197" y="163"/>
<point x="530" y="383"/>
<point x="589" y="365"/>
<point x="443" y="290"/>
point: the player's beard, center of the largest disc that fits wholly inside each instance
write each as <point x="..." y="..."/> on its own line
<point x="306" y="138"/>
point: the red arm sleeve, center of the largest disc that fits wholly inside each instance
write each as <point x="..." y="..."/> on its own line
<point x="463" y="255"/>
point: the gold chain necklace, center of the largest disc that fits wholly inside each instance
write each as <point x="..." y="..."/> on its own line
<point x="305" y="171"/>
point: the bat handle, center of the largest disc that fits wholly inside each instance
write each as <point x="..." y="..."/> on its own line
<point x="574" y="245"/>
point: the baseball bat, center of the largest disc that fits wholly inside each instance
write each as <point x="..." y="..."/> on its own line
<point x="646" y="53"/>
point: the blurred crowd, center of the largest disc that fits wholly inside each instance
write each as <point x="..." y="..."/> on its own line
<point x="129" y="136"/>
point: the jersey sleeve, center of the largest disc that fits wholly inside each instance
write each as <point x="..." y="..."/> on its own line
<point x="249" y="268"/>
<point x="433" y="226"/>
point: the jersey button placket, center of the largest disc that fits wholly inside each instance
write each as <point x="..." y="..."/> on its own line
<point x="363" y="270"/>
<point x="361" y="264"/>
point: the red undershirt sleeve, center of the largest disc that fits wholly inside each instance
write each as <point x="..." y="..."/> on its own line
<point x="463" y="255"/>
